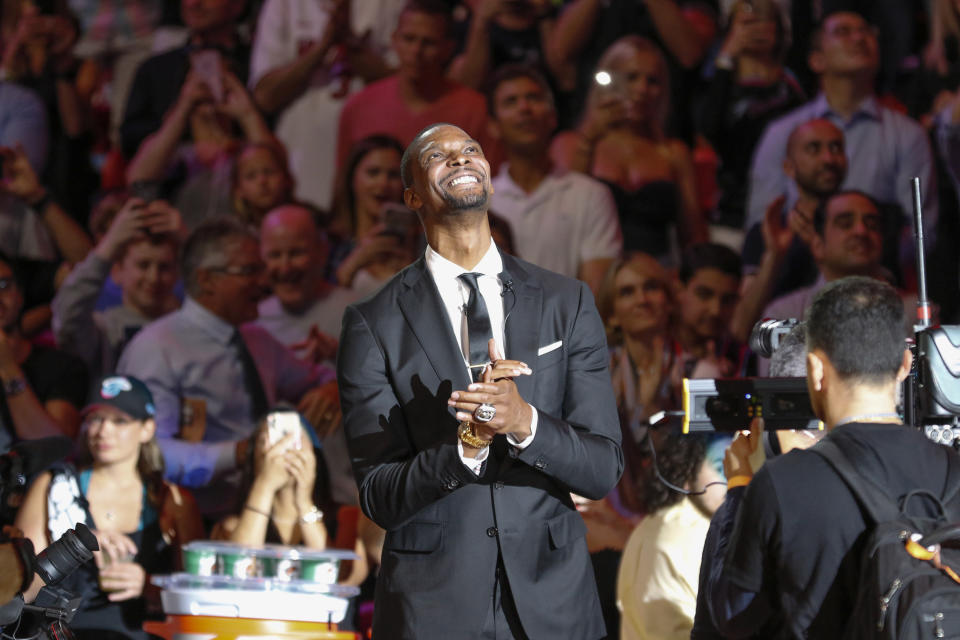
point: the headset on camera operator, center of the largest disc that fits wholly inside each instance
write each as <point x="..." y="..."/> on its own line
<point x="790" y="558"/>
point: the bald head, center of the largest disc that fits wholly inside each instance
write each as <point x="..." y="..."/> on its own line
<point x="290" y="215"/>
<point x="818" y="127"/>
<point x="295" y="251"/>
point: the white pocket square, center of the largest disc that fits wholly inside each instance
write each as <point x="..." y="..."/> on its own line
<point x="550" y="347"/>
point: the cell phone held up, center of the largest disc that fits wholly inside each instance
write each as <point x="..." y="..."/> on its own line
<point x="207" y="64"/>
<point x="398" y="220"/>
<point x="280" y="424"/>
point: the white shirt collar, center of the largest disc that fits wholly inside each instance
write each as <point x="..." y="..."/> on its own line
<point x="491" y="264"/>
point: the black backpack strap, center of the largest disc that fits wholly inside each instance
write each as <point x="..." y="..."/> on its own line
<point x="875" y="501"/>
<point x="951" y="493"/>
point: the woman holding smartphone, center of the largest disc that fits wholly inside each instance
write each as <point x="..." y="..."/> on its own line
<point x="281" y="505"/>
<point x="118" y="491"/>
<point x="368" y="248"/>
<point x="622" y="142"/>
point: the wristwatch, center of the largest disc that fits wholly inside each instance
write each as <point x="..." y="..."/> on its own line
<point x="14" y="386"/>
<point x="469" y="438"/>
<point x="312" y="515"/>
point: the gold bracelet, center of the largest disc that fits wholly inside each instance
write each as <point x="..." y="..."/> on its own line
<point x="469" y="438"/>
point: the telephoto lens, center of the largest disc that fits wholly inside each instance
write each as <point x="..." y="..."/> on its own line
<point x="766" y="335"/>
<point x="62" y="557"/>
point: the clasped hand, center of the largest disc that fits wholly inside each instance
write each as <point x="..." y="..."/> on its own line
<point x="513" y="413"/>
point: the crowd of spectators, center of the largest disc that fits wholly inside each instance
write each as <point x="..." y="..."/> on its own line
<point x="191" y="193"/>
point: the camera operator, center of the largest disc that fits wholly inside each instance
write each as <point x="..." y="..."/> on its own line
<point x="790" y="558"/>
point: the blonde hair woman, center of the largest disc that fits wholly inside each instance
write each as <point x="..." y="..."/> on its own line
<point x="621" y="141"/>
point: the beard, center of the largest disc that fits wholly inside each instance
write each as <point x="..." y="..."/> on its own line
<point x="467" y="202"/>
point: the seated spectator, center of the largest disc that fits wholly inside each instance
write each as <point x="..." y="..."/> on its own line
<point x="931" y="76"/>
<point x="848" y="240"/>
<point x="139" y="251"/>
<point x="308" y="57"/>
<point x="43" y="388"/>
<point x="659" y="571"/>
<point x="500" y="33"/>
<point x="158" y="83"/>
<point x="38" y="54"/>
<point x="560" y="220"/>
<point x="369" y="249"/>
<point x="748" y="89"/>
<point x="38" y="234"/>
<point x="32" y="224"/>
<point x="288" y="502"/>
<point x="622" y="142"/>
<point x="303" y="303"/>
<point x="419" y="93"/>
<point x="283" y="494"/>
<point x="304" y="313"/>
<point x="885" y="149"/>
<point x="261" y="182"/>
<point x="196" y="175"/>
<point x="119" y="492"/>
<point x="709" y="288"/>
<point x="219" y="373"/>
<point x="776" y="253"/>
<point x="119" y="37"/>
<point x="635" y="303"/>
<point x="682" y="29"/>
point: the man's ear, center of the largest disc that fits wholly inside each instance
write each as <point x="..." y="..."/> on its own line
<point x="788" y="168"/>
<point x="412" y="200"/>
<point x="815" y="371"/>
<point x="905" y="365"/>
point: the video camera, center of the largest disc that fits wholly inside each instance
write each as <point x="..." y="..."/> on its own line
<point x="930" y="394"/>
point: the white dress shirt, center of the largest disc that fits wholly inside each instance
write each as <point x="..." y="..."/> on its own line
<point x="455" y="294"/>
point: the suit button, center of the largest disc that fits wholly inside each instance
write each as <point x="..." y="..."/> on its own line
<point x="453" y="484"/>
<point x="492" y="532"/>
<point x="498" y="485"/>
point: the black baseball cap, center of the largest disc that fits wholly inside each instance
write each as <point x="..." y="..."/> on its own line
<point x="125" y="393"/>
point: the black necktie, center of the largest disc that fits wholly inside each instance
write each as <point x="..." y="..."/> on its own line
<point x="478" y="325"/>
<point x="251" y="378"/>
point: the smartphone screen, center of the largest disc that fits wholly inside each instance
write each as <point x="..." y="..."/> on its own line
<point x="206" y="64"/>
<point x="399" y="220"/>
<point x="282" y="423"/>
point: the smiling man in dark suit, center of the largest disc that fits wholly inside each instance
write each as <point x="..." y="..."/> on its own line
<point x="471" y="476"/>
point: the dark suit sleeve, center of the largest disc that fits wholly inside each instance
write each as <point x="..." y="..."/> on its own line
<point x="395" y="480"/>
<point x="581" y="450"/>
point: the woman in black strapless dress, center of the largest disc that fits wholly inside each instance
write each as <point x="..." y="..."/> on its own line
<point x="622" y="142"/>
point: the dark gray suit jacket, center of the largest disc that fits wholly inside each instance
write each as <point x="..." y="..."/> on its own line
<point x="397" y="365"/>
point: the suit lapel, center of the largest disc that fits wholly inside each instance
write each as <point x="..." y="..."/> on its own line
<point x="423" y="310"/>
<point x="522" y="330"/>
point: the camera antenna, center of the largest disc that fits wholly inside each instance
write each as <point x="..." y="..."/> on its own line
<point x="923" y="304"/>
